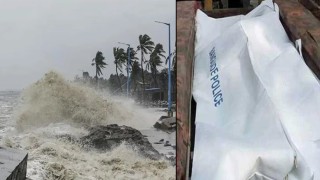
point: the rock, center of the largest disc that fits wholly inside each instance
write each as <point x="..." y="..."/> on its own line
<point x="166" y="123"/>
<point x="167" y="144"/>
<point x="110" y="136"/>
<point x="160" y="142"/>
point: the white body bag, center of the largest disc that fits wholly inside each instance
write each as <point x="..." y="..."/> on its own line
<point x="258" y="104"/>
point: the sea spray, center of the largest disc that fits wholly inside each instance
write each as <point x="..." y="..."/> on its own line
<point x="52" y="99"/>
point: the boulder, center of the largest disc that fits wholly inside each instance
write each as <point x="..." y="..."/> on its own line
<point x="166" y="123"/>
<point x="110" y="136"/>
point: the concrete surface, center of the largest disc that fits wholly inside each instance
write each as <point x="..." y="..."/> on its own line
<point x="13" y="164"/>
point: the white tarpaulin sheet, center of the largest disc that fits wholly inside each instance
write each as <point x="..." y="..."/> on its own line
<point x="258" y="104"/>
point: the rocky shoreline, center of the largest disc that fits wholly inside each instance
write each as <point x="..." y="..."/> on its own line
<point x="107" y="137"/>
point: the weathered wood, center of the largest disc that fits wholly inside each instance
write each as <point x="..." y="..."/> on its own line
<point x="300" y="23"/>
<point x="185" y="52"/>
<point x="218" y="13"/>
<point x="208" y="5"/>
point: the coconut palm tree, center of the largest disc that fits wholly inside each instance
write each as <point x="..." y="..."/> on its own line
<point x="145" y="47"/>
<point x="98" y="61"/>
<point x="135" y="74"/>
<point x="119" y="60"/>
<point x="155" y="61"/>
<point x="133" y="58"/>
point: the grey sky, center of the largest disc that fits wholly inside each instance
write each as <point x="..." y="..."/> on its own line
<point x="64" y="35"/>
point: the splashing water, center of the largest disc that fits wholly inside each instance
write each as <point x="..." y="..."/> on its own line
<point x="53" y="107"/>
<point x="52" y="99"/>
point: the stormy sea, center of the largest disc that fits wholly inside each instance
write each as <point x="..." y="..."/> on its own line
<point x="36" y="119"/>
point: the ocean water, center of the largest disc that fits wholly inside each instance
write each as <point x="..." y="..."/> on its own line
<point x="33" y="119"/>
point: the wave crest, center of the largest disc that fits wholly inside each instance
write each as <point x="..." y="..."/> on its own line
<point x="52" y="99"/>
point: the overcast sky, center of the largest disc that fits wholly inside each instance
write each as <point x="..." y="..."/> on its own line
<point x="64" y="35"/>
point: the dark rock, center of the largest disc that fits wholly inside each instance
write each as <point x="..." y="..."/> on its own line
<point x="166" y="123"/>
<point x="111" y="136"/>
<point x="160" y="142"/>
<point x="163" y="117"/>
<point x="167" y="144"/>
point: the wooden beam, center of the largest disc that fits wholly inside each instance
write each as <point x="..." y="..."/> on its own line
<point x="208" y="5"/>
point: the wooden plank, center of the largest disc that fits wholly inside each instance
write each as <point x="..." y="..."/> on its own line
<point x="185" y="51"/>
<point x="208" y="5"/>
<point x="219" y="13"/>
<point x="300" y="23"/>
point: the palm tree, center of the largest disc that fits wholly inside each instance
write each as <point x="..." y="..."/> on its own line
<point x="133" y="59"/>
<point x="119" y="60"/>
<point x="133" y="54"/>
<point x="98" y="61"/>
<point x="145" y="46"/>
<point x="134" y="74"/>
<point x="155" y="61"/>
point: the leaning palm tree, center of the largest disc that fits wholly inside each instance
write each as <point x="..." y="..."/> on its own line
<point x="133" y="58"/>
<point x="98" y="61"/>
<point x="145" y="47"/>
<point x="155" y="61"/>
<point x="134" y="74"/>
<point x="119" y="60"/>
<point x="124" y="59"/>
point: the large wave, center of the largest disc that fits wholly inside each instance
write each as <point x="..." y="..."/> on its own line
<point x="53" y="99"/>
